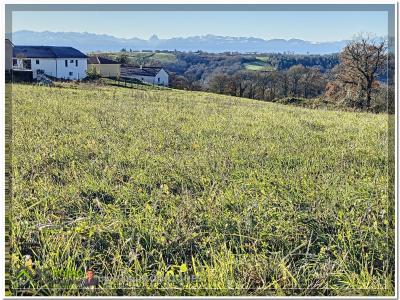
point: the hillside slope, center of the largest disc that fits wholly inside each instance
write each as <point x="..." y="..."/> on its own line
<point x="205" y="194"/>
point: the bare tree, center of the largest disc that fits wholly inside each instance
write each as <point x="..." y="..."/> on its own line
<point x="263" y="81"/>
<point x="218" y="83"/>
<point x="178" y="81"/>
<point x="295" y="73"/>
<point x="240" y="83"/>
<point x="312" y="82"/>
<point x="361" y="62"/>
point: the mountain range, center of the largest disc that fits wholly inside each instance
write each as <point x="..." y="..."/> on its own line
<point x="88" y="42"/>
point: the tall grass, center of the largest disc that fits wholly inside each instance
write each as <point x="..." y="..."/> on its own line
<point x="166" y="192"/>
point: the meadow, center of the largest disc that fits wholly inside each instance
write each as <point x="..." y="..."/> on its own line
<point x="167" y="192"/>
<point x="138" y="58"/>
<point x="260" y="63"/>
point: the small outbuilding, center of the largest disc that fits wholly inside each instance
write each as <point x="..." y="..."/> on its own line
<point x="104" y="67"/>
<point x="150" y="75"/>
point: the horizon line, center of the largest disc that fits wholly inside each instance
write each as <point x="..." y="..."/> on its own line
<point x="187" y="36"/>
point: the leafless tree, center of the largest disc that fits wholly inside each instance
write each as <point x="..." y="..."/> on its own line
<point x="218" y="83"/>
<point x="361" y="62"/>
<point x="295" y="74"/>
<point x="312" y="82"/>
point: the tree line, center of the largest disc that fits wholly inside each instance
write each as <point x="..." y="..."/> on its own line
<point x="297" y="81"/>
<point x="362" y="79"/>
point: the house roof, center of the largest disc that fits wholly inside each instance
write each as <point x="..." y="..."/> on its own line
<point x="127" y="70"/>
<point x="95" y="60"/>
<point x="47" y="52"/>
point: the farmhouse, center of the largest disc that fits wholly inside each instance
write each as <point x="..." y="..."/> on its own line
<point x="59" y="62"/>
<point x="104" y="67"/>
<point x="151" y="75"/>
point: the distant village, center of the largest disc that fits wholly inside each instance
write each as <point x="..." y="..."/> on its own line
<point x="29" y="63"/>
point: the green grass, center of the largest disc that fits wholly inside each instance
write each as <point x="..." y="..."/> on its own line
<point x="167" y="57"/>
<point x="261" y="63"/>
<point x="263" y="58"/>
<point x="148" y="57"/>
<point x="206" y="194"/>
<point x="253" y="67"/>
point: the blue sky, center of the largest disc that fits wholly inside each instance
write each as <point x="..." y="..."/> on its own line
<point x="306" y="25"/>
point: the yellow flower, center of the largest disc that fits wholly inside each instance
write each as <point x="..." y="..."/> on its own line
<point x="183" y="268"/>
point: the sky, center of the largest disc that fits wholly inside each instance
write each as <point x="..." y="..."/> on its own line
<point x="318" y="26"/>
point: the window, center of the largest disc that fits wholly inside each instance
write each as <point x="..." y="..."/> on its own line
<point x="26" y="64"/>
<point x="158" y="79"/>
<point x="15" y="62"/>
<point x="70" y="73"/>
<point x="37" y="61"/>
<point x="76" y="62"/>
<point x="71" y="61"/>
<point x="66" y="62"/>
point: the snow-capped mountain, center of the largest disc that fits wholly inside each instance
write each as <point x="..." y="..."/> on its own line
<point x="211" y="43"/>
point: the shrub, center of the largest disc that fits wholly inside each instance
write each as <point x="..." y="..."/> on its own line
<point x="92" y="74"/>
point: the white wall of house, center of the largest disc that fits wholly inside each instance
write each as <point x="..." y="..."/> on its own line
<point x="147" y="79"/>
<point x="160" y="79"/>
<point x="48" y="65"/>
<point x="71" y="70"/>
<point x="56" y="67"/>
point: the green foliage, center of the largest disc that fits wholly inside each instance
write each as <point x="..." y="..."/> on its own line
<point x="123" y="58"/>
<point x="92" y="74"/>
<point x="166" y="192"/>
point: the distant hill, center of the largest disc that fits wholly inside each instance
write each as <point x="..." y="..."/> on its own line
<point x="211" y="43"/>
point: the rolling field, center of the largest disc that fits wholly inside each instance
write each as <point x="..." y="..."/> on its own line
<point x="166" y="192"/>
<point x="261" y="63"/>
<point x="258" y="67"/>
<point x="140" y="57"/>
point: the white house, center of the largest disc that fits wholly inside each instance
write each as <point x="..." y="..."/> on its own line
<point x="59" y="62"/>
<point x="151" y="75"/>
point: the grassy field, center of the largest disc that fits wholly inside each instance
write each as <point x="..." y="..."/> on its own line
<point x="166" y="192"/>
<point x="261" y="63"/>
<point x="145" y="57"/>
<point x="258" y="67"/>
